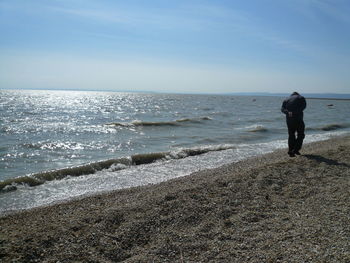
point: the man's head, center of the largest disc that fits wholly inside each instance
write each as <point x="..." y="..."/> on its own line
<point x="295" y="93"/>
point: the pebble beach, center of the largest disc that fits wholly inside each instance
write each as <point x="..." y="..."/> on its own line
<point x="270" y="208"/>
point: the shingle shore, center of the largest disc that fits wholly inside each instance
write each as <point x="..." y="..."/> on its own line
<point x="271" y="208"/>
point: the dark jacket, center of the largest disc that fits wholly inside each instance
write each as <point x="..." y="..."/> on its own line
<point x="295" y="104"/>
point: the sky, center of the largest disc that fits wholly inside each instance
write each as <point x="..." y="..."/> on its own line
<point x="182" y="46"/>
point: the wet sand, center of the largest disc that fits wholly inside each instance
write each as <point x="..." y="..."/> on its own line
<point x="271" y="208"/>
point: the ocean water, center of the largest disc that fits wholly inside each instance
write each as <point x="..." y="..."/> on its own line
<point x="58" y="145"/>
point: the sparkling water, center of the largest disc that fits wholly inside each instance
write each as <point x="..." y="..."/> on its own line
<point x="115" y="140"/>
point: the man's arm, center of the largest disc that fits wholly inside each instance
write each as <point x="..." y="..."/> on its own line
<point x="303" y="104"/>
<point x="283" y="108"/>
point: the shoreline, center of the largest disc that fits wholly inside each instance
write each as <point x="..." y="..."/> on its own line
<point x="270" y="208"/>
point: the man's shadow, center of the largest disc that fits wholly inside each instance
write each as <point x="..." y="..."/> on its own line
<point x="322" y="159"/>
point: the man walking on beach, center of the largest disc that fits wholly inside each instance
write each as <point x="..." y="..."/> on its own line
<point x="293" y="107"/>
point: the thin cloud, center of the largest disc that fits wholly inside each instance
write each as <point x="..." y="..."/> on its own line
<point x="203" y="17"/>
<point x="185" y="17"/>
<point x="92" y="14"/>
<point x="313" y="9"/>
<point x="338" y="10"/>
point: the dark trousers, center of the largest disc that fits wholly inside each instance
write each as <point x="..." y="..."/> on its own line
<point x="295" y="125"/>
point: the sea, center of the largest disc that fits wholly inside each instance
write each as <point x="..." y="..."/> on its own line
<point x="60" y="145"/>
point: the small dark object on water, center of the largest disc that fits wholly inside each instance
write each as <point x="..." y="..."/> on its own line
<point x="330" y="105"/>
<point x="254" y="99"/>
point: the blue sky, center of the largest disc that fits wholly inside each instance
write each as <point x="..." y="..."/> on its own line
<point x="176" y="46"/>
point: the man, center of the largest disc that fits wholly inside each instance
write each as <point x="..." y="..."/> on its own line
<point x="293" y="107"/>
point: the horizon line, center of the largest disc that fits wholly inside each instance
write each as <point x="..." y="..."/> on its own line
<point x="257" y="93"/>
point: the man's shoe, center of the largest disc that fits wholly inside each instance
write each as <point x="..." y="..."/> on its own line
<point x="291" y="154"/>
<point x="297" y="153"/>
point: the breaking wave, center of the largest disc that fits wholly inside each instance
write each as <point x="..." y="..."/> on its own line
<point x="111" y="165"/>
<point x="159" y="123"/>
<point x="257" y="128"/>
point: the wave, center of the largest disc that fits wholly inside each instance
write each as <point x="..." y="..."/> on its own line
<point x="329" y="127"/>
<point x="159" y="123"/>
<point x="332" y="127"/>
<point x="40" y="178"/>
<point x="112" y="165"/>
<point x="257" y="128"/>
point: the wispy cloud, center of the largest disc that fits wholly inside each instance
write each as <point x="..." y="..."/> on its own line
<point x="337" y="10"/>
<point x="185" y="16"/>
<point x="103" y="16"/>
<point x="182" y="18"/>
<point x="237" y="21"/>
<point x="190" y="17"/>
